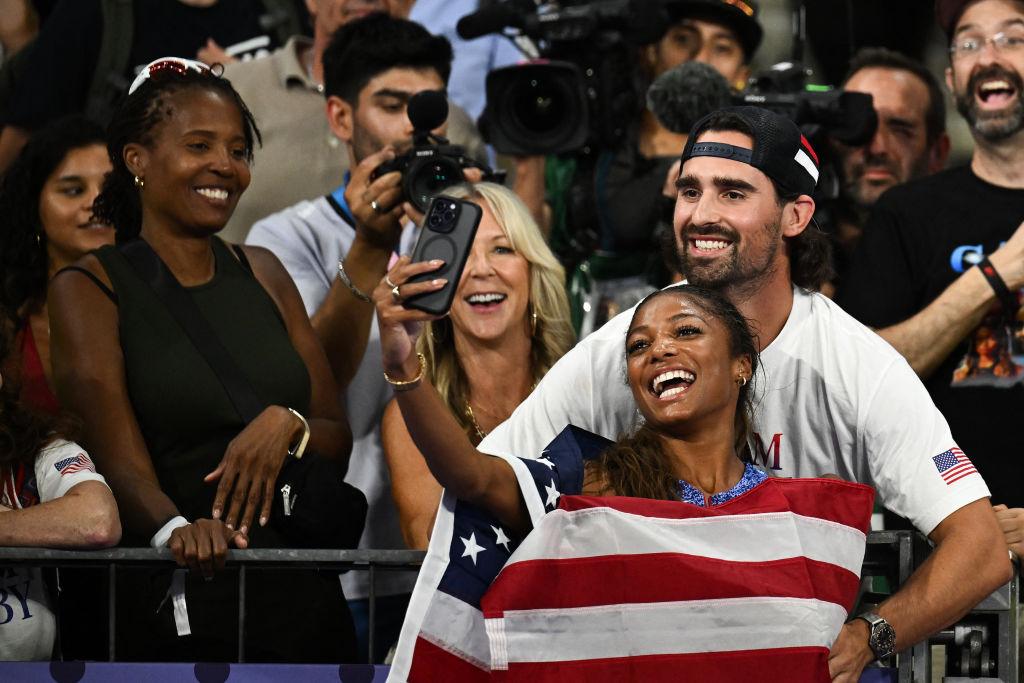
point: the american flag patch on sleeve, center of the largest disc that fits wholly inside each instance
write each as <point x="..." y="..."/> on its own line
<point x="953" y="465"/>
<point x="78" y="463"/>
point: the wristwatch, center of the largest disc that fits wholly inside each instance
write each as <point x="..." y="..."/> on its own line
<point x="882" y="637"/>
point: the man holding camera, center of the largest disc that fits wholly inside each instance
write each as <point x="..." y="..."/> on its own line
<point x="300" y="156"/>
<point x="941" y="265"/>
<point x="337" y="247"/>
<point x="910" y="142"/>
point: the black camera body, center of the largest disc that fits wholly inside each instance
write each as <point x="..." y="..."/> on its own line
<point x="583" y="91"/>
<point x="431" y="164"/>
<point x="848" y="117"/>
<point x="427" y="170"/>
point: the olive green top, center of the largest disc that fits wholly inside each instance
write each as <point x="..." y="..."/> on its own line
<point x="186" y="417"/>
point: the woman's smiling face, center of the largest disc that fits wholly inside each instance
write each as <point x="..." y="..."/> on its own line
<point x="197" y="166"/>
<point x="494" y="292"/>
<point x="679" y="364"/>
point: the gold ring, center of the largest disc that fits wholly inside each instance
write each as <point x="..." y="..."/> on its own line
<point x="396" y="295"/>
<point x="387" y="279"/>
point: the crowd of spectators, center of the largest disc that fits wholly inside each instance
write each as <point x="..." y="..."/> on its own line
<point x="196" y="263"/>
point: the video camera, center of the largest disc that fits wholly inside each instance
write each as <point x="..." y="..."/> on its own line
<point x="582" y="90"/>
<point x="432" y="164"/>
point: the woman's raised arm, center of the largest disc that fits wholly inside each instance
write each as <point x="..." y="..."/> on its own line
<point x="470" y="475"/>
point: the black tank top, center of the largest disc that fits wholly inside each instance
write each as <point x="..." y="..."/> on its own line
<point x="186" y="417"/>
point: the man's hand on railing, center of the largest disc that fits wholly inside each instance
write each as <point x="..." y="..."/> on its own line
<point x="203" y="545"/>
<point x="1011" y="521"/>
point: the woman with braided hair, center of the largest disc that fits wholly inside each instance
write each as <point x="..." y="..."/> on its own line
<point x="190" y="471"/>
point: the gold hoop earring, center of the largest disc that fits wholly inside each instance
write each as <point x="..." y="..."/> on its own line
<point x="742" y="381"/>
<point x="533" y="319"/>
<point x="139" y="182"/>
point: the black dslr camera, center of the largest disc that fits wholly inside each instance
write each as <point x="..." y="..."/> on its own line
<point x="432" y="164"/>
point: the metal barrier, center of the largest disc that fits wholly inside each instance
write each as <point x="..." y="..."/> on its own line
<point x="983" y="645"/>
<point x="238" y="560"/>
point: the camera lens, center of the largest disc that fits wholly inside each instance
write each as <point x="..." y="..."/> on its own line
<point x="537" y="105"/>
<point x="428" y="178"/>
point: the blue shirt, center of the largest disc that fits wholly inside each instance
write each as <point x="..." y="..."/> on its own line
<point x="751" y="478"/>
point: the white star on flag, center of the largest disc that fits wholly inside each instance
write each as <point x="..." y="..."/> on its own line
<point x="501" y="538"/>
<point x="545" y="461"/>
<point x="472" y="549"/>
<point x="553" y="494"/>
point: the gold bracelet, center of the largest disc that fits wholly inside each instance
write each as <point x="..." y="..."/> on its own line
<point x="300" y="447"/>
<point x="406" y="385"/>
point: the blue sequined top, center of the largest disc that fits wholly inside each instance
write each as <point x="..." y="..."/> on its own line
<point x="751" y="478"/>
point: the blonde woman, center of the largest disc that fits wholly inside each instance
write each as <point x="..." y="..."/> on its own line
<point x="508" y="325"/>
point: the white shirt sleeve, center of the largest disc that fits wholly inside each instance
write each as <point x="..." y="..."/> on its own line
<point x="586" y="387"/>
<point x="904" y="433"/>
<point x="62" y="465"/>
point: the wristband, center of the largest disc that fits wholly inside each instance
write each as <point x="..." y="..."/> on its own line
<point x="300" y="447"/>
<point x="1009" y="300"/>
<point x="161" y="537"/>
<point x="347" y="281"/>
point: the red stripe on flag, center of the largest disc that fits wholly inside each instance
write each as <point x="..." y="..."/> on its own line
<point x="957" y="469"/>
<point x="431" y="663"/>
<point x="966" y="473"/>
<point x="842" y="502"/>
<point x="805" y="664"/>
<point x="661" y="577"/>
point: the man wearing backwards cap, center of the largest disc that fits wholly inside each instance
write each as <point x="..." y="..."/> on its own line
<point x="833" y="397"/>
<point x="921" y="275"/>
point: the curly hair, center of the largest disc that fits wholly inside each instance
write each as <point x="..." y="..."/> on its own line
<point x="24" y="265"/>
<point x="136" y="118"/>
<point x="637" y="465"/>
<point x="553" y="335"/>
<point x="23" y="432"/>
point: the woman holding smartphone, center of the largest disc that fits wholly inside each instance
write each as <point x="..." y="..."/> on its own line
<point x="508" y="324"/>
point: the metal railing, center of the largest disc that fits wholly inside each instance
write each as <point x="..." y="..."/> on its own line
<point x="241" y="561"/>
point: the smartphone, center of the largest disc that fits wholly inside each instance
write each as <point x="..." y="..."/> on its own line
<point x="449" y="227"/>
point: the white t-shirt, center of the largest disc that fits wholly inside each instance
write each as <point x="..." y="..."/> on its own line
<point x="27" y="626"/>
<point x="831" y="397"/>
<point x="310" y="238"/>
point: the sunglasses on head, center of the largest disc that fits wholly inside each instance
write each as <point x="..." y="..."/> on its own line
<point x="178" y="65"/>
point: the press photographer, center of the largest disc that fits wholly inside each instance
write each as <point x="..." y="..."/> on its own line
<point x="431" y="164"/>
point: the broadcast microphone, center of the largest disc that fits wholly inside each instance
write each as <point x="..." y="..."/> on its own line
<point x="427" y="110"/>
<point x="492" y="19"/>
<point x="686" y="93"/>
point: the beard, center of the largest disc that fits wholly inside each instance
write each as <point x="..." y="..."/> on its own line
<point x="992" y="126"/>
<point x="734" y="270"/>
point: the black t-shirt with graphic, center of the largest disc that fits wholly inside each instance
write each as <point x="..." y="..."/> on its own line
<point x="63" y="58"/>
<point x="920" y="238"/>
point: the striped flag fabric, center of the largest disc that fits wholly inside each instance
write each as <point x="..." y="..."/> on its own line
<point x="74" y="464"/>
<point x="616" y="588"/>
<point x="953" y="465"/>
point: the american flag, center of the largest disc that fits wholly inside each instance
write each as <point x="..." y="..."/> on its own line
<point x="612" y="589"/>
<point x="953" y="465"/>
<point x="74" y="464"/>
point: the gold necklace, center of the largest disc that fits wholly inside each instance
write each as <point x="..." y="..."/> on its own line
<point x="476" y="425"/>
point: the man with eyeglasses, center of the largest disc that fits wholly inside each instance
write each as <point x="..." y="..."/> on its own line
<point x="941" y="264"/>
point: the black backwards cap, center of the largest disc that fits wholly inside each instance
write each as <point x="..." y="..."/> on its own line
<point x="780" y="151"/>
